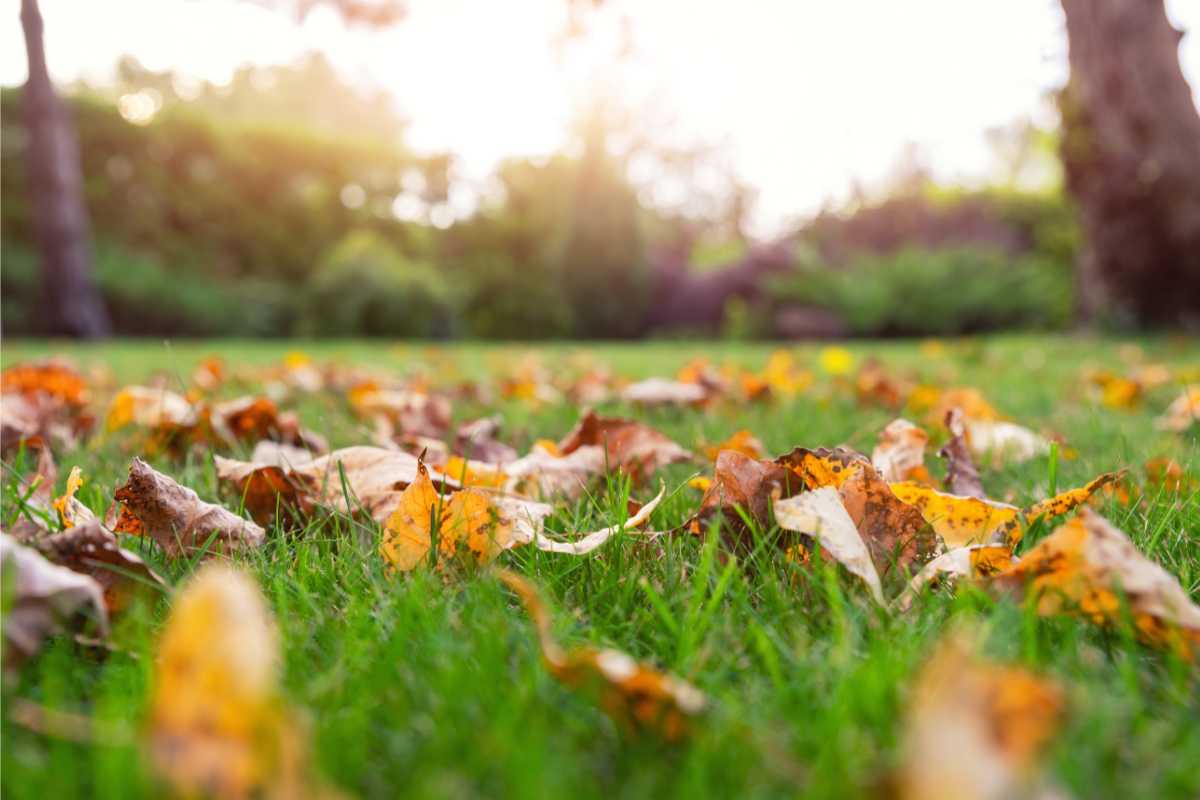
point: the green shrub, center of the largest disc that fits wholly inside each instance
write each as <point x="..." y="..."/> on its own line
<point x="366" y="287"/>
<point x="935" y="292"/>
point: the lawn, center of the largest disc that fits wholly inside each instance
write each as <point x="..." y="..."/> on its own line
<point x="418" y="687"/>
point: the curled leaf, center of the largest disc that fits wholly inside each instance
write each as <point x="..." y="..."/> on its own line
<point x="664" y="392"/>
<point x="154" y="505"/>
<point x="629" y="446"/>
<point x="45" y="598"/>
<point x="900" y="454"/>
<point x="962" y="476"/>
<point x="1087" y="565"/>
<point x="1183" y="413"/>
<point x="821" y="515"/>
<point x="90" y="549"/>
<point x="635" y="695"/>
<point x="960" y="521"/>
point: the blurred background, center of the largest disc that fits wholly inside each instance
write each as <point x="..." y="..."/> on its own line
<point x="589" y="169"/>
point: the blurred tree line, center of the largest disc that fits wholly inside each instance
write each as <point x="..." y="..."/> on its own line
<point x="284" y="203"/>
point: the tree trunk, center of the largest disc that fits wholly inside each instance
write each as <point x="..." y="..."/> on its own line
<point x="1131" y="152"/>
<point x="71" y="304"/>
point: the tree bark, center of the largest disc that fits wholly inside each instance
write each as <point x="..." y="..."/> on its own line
<point x="71" y="304"/>
<point x="1131" y="153"/>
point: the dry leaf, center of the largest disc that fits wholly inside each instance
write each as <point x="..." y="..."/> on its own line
<point x="374" y="477"/>
<point x="960" y="520"/>
<point x="53" y="378"/>
<point x="45" y="597"/>
<point x="174" y="516"/>
<point x="741" y="482"/>
<point x="636" y="696"/>
<point x="895" y="533"/>
<point x="422" y="516"/>
<point x="1183" y="413"/>
<point x="974" y="561"/>
<point x="546" y="472"/>
<point x="1085" y="567"/>
<point x="820" y="514"/>
<point x="150" y="407"/>
<point x="218" y="725"/>
<point x="90" y="549"/>
<point x="665" y="392"/>
<point x="900" y="454"/>
<point x="962" y="476"/>
<point x="743" y="442"/>
<point x="629" y="446"/>
<point x="477" y="441"/>
<point x="251" y="419"/>
<point x="823" y="466"/>
<point x="976" y="730"/>
<point x="406" y="412"/>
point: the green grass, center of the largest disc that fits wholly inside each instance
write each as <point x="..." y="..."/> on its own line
<point x="417" y="688"/>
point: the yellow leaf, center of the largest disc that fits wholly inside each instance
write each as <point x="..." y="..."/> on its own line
<point x="62" y="504"/>
<point x="217" y="724"/>
<point x="958" y="520"/>
<point x="466" y="518"/>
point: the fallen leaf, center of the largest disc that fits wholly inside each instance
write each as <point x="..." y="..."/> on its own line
<point x="664" y="392"/>
<point x="66" y="504"/>
<point x="424" y="517"/>
<point x="90" y="549"/>
<point x="959" y="520"/>
<point x="546" y="472"/>
<point x="45" y="598"/>
<point x="1183" y="413"/>
<point x="896" y="534"/>
<point x="406" y="412"/>
<point x="218" y="725"/>
<point x="973" y="561"/>
<point x="836" y="361"/>
<point x="900" y="454"/>
<point x="1004" y="442"/>
<point x="745" y="483"/>
<point x="150" y="407"/>
<point x="1087" y="565"/>
<point x="251" y="419"/>
<point x="635" y="695"/>
<point x="875" y="386"/>
<point x="962" y="476"/>
<point x="975" y="729"/>
<point x="821" y="515"/>
<point x="629" y="446"/>
<point x="477" y="441"/>
<point x="823" y="466"/>
<point x="1064" y="502"/>
<point x="53" y="378"/>
<point x="374" y="477"/>
<point x="154" y="505"/>
<point x="742" y="441"/>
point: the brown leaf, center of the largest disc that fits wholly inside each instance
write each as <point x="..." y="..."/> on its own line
<point x="90" y="549"/>
<point x="900" y="454"/>
<point x="637" y="697"/>
<point x="824" y="466"/>
<point x="477" y="441"/>
<point x="252" y="419"/>
<point x="545" y="472"/>
<point x="1084" y="568"/>
<point x="406" y="412"/>
<point x="895" y="533"/>
<point x="374" y="476"/>
<point x="976" y="729"/>
<point x="664" y="392"/>
<point x="45" y="598"/>
<point x="741" y="482"/>
<point x="174" y="516"/>
<point x="629" y="446"/>
<point x="962" y="476"/>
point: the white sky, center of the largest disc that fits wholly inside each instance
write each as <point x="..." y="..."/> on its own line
<point x="805" y="96"/>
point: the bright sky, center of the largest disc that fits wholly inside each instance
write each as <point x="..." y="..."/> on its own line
<point x="805" y="96"/>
